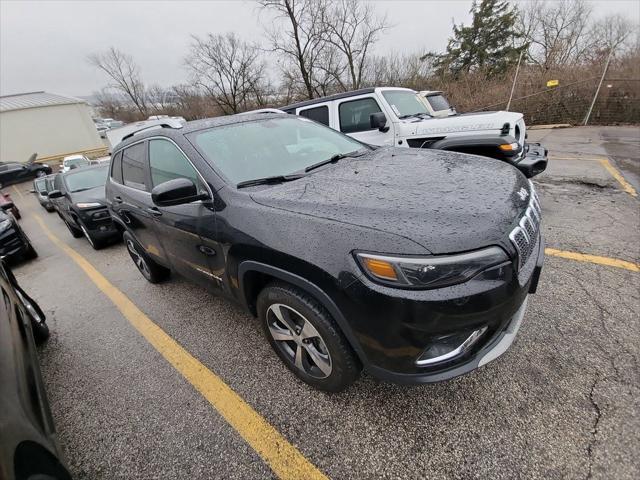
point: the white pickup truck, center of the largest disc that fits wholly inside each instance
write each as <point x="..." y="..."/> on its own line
<point x="402" y="117"/>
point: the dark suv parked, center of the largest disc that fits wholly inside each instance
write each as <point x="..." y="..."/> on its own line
<point x="78" y="197"/>
<point x="413" y="264"/>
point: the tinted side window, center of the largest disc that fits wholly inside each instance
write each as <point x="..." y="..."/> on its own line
<point x="354" y="115"/>
<point x="167" y="163"/>
<point x="133" y="167"/>
<point x="319" y="114"/>
<point x="116" y="168"/>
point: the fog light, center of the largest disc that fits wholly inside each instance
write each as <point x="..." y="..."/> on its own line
<point x="448" y="347"/>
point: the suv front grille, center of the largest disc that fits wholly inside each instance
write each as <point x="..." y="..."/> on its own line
<point x="525" y="236"/>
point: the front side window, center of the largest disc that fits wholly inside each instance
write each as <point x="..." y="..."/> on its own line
<point x="264" y="148"/>
<point x="116" y="168"/>
<point x="86" y="179"/>
<point x="354" y="115"/>
<point x="133" y="167"/>
<point x="167" y="162"/>
<point x="40" y="185"/>
<point x="319" y="114"/>
<point x="405" y="103"/>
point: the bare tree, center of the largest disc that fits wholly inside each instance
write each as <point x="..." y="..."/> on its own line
<point x="558" y="32"/>
<point x="299" y="36"/>
<point x="227" y="68"/>
<point x="615" y="32"/>
<point x="353" y="28"/>
<point x="124" y="73"/>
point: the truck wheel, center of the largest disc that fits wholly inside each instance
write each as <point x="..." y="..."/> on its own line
<point x="306" y="338"/>
<point x="149" y="269"/>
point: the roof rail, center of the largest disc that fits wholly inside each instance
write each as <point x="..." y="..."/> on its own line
<point x="166" y="123"/>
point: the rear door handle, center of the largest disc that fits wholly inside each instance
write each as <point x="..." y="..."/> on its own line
<point x="117" y="199"/>
<point x="154" y="211"/>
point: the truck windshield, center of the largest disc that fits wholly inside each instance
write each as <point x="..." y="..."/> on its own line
<point x="405" y="103"/>
<point x="274" y="147"/>
<point x="438" y="103"/>
<point x="86" y="179"/>
<point x="77" y="162"/>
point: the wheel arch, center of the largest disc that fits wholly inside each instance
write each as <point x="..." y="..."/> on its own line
<point x="254" y="275"/>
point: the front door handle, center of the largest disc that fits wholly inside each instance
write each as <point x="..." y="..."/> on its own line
<point x="154" y="211"/>
<point x="208" y="251"/>
<point x="117" y="199"/>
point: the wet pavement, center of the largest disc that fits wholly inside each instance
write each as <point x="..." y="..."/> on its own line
<point x="563" y="402"/>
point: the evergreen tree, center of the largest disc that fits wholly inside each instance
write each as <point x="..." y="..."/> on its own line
<point x="490" y="43"/>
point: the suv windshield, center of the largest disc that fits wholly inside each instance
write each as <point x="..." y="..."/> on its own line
<point x="267" y="148"/>
<point x="77" y="162"/>
<point x="405" y="103"/>
<point x="86" y="179"/>
<point x="41" y="185"/>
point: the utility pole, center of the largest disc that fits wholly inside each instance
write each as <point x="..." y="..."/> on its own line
<point x="515" y="79"/>
<point x="593" y="102"/>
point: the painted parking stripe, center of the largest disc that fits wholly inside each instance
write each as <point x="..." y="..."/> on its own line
<point x="283" y="458"/>
<point x="626" y="186"/>
<point x="584" y="257"/>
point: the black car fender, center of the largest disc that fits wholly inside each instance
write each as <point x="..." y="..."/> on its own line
<point x="252" y="266"/>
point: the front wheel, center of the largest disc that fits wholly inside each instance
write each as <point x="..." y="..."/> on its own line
<point x="41" y="173"/>
<point x="306" y="338"/>
<point x="149" y="269"/>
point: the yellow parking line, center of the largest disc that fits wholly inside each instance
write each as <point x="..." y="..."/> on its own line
<point x="18" y="191"/>
<point x="626" y="186"/>
<point x="591" y="159"/>
<point x="284" y="459"/>
<point x="584" y="257"/>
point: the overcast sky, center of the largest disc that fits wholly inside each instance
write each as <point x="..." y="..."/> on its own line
<point x="44" y="44"/>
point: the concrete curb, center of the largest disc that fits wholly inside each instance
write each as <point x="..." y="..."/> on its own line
<point x="549" y="127"/>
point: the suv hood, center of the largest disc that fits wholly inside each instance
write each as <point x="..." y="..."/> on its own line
<point x="481" y="121"/>
<point x="445" y="201"/>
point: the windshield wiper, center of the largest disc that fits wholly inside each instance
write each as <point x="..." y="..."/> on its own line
<point x="267" y="180"/>
<point x="337" y="157"/>
<point x="414" y="115"/>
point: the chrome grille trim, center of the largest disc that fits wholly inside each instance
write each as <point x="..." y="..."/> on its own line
<point x="525" y="236"/>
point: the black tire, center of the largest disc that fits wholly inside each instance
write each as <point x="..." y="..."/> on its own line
<point x="40" y="331"/>
<point x="16" y="213"/>
<point x="30" y="253"/>
<point x="41" y="173"/>
<point x="342" y="365"/>
<point x="149" y="269"/>
<point x="75" y="231"/>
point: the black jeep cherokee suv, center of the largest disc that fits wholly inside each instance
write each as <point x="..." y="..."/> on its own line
<point x="414" y="264"/>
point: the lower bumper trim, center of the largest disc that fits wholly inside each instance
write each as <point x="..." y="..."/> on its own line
<point x="508" y="337"/>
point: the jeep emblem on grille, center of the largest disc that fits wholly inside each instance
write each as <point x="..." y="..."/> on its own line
<point x="522" y="193"/>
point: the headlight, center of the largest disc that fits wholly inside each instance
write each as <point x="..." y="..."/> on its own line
<point x="88" y="205"/>
<point x="4" y="225"/>
<point x="429" y="272"/>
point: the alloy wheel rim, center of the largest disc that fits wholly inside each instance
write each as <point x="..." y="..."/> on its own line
<point x="138" y="260"/>
<point x="299" y="340"/>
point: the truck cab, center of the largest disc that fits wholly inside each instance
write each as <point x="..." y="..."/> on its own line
<point x="386" y="116"/>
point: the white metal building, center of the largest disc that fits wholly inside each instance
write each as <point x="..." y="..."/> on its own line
<point x="47" y="124"/>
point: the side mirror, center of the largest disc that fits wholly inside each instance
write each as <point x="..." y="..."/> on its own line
<point x="378" y="120"/>
<point x="55" y="194"/>
<point x="175" y="192"/>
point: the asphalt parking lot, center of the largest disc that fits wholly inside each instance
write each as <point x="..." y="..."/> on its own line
<point x="563" y="402"/>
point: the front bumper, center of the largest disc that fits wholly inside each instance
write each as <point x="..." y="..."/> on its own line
<point x="394" y="327"/>
<point x="12" y="242"/>
<point x="98" y="222"/>
<point x="533" y="160"/>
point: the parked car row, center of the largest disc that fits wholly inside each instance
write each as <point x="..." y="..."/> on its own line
<point x="412" y="264"/>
